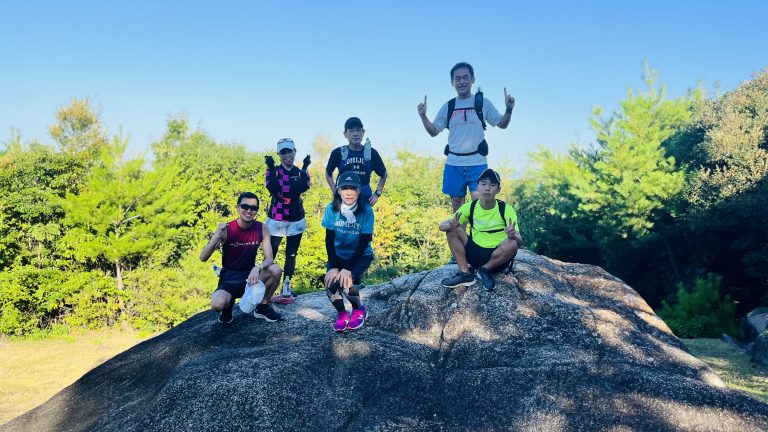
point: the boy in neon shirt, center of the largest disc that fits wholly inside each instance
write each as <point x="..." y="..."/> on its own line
<point x="493" y="240"/>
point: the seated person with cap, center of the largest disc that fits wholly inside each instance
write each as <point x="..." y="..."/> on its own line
<point x="493" y="240"/>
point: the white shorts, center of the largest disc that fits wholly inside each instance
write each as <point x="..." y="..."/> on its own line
<point x="285" y="228"/>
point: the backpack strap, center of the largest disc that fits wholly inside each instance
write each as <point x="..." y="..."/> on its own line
<point x="366" y="151"/>
<point x="451" y="109"/>
<point x="479" y="106"/>
<point x="344" y="153"/>
<point x="502" y="208"/>
<point x="472" y="216"/>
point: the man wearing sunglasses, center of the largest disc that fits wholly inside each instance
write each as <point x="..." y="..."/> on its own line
<point x="240" y="240"/>
<point x="493" y="239"/>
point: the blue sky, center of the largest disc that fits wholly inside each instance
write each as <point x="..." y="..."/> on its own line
<point x="253" y="72"/>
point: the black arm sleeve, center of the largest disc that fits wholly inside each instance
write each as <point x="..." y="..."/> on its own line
<point x="330" y="248"/>
<point x="333" y="161"/>
<point x="362" y="245"/>
<point x="271" y="181"/>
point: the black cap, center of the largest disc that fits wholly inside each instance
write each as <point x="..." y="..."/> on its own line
<point x="353" y="123"/>
<point x="491" y="175"/>
<point x="348" y="178"/>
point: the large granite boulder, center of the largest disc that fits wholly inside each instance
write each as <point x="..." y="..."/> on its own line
<point x="752" y="327"/>
<point x="753" y="324"/>
<point x="557" y="347"/>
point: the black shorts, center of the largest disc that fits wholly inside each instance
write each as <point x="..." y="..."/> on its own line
<point x="477" y="256"/>
<point x="233" y="281"/>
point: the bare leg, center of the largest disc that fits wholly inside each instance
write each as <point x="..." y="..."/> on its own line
<point x="220" y="300"/>
<point x="457" y="240"/>
<point x="504" y="252"/>
<point x="456" y="202"/>
<point x="271" y="278"/>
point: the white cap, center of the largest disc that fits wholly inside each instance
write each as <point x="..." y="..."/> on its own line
<point x="285" y="143"/>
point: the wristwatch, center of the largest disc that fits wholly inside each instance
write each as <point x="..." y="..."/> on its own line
<point x="378" y="193"/>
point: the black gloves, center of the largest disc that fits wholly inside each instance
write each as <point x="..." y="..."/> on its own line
<point x="269" y="161"/>
<point x="306" y="163"/>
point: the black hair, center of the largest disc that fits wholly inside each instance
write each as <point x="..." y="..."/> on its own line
<point x="248" y="195"/>
<point x="361" y="201"/>
<point x="353" y="122"/>
<point x="463" y="65"/>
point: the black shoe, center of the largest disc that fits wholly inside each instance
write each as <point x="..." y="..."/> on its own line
<point x="459" y="279"/>
<point x="486" y="279"/>
<point x="265" y="312"/>
<point x="225" y="316"/>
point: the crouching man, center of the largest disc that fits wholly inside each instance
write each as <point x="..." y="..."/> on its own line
<point x="493" y="240"/>
<point x="240" y="240"/>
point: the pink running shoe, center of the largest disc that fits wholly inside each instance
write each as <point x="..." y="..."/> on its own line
<point x="357" y="319"/>
<point x="341" y="322"/>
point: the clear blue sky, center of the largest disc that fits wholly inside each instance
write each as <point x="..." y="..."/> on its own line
<point x="253" y="72"/>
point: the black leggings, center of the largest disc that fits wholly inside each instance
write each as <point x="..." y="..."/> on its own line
<point x="335" y="293"/>
<point x="291" y="248"/>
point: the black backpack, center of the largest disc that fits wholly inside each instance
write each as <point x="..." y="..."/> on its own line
<point x="502" y="206"/>
<point x="482" y="148"/>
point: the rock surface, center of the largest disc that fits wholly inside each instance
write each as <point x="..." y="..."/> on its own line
<point x="557" y="347"/>
<point x="754" y="323"/>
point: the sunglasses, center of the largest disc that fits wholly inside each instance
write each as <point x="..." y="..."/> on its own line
<point x="247" y="207"/>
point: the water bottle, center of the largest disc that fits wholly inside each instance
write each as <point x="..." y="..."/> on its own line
<point x="217" y="270"/>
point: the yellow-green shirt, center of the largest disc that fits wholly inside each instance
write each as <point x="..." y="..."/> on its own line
<point x="488" y="220"/>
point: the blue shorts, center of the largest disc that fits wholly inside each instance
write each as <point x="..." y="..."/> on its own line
<point x="456" y="179"/>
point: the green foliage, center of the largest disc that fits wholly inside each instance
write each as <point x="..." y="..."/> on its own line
<point x="78" y="128"/>
<point x="702" y="311"/>
<point x="671" y="189"/>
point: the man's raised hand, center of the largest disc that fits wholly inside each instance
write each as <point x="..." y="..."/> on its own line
<point x="422" y="107"/>
<point x="509" y="101"/>
<point x="307" y="160"/>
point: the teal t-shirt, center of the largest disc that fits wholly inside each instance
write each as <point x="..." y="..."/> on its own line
<point x="348" y="233"/>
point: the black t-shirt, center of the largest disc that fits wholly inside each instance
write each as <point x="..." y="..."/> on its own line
<point x="356" y="162"/>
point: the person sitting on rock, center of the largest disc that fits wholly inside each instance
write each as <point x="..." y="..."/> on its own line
<point x="348" y="223"/>
<point x="240" y="240"/>
<point x="493" y="239"/>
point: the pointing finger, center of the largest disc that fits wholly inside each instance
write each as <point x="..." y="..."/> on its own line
<point x="505" y="92"/>
<point x="425" y="100"/>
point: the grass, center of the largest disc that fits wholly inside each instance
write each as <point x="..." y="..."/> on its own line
<point x="33" y="370"/>
<point x="732" y="365"/>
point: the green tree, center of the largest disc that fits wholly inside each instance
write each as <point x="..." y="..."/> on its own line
<point x="78" y="128"/>
<point x="124" y="216"/>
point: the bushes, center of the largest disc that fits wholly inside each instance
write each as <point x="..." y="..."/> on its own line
<point x="701" y="312"/>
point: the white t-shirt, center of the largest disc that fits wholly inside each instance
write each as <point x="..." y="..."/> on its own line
<point x="466" y="131"/>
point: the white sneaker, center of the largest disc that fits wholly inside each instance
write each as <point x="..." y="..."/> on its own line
<point x="286" y="291"/>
